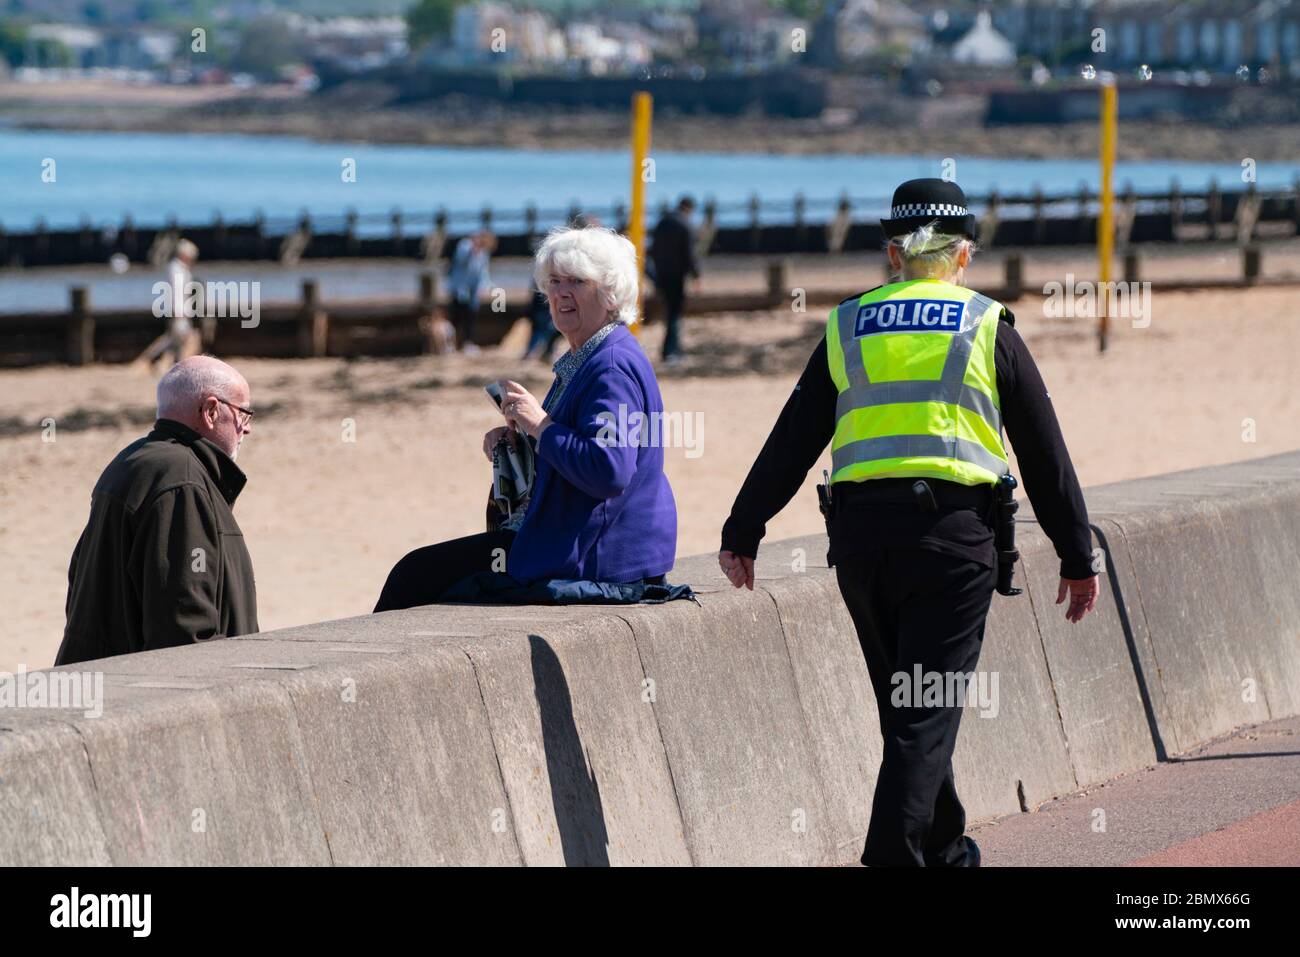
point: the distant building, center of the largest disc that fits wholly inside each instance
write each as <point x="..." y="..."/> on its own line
<point x="983" y="45"/>
<point x="601" y="53"/>
<point x="1216" y="37"/>
<point x="354" y="44"/>
<point x="141" y="48"/>
<point x="743" y="32"/>
<point x="84" y="44"/>
<point x="675" y="33"/>
<point x="858" y="31"/>
<point x="494" y="32"/>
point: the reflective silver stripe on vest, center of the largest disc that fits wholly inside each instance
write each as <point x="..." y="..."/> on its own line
<point x="854" y="370"/>
<point x="949" y="387"/>
<point x="911" y="446"/>
<point x="913" y="390"/>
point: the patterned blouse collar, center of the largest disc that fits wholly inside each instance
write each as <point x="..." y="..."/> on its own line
<point x="568" y="364"/>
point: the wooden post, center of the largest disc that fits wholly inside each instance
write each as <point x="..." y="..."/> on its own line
<point x="426" y="309"/>
<point x="1127" y="216"/>
<point x="755" y="231"/>
<point x="40" y="243"/>
<point x="800" y="227"/>
<point x="708" y="228"/>
<point x="1214" y="208"/>
<point x="395" y="219"/>
<point x="313" y="323"/>
<point x="1295" y="203"/>
<point x="259" y="234"/>
<point x="988" y="223"/>
<point x="1132" y="267"/>
<point x="351" y="244"/>
<point x="127" y="238"/>
<point x="86" y="240"/>
<point x="1248" y="209"/>
<point x="837" y="230"/>
<point x="80" y="328"/>
<point x="1085" y="233"/>
<point x="1013" y="270"/>
<point x="1250" y="263"/>
<point x="1040" y="217"/>
<point x="428" y="291"/>
<point x="778" y="281"/>
<point x="439" y="241"/>
<point x="1175" y="209"/>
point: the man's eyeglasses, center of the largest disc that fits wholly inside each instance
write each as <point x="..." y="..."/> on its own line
<point x="248" y="413"/>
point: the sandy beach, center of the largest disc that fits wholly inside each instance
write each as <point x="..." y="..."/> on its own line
<point x="1210" y="380"/>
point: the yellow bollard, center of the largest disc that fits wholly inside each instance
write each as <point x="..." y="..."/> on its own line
<point x="642" y="109"/>
<point x="1106" y="219"/>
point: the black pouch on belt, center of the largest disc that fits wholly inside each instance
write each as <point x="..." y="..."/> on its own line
<point x="1004" y="533"/>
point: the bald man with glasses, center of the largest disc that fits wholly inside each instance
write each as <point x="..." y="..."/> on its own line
<point x="162" y="561"/>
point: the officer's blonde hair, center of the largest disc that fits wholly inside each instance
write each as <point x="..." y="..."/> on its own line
<point x="929" y="254"/>
<point x="597" y="254"/>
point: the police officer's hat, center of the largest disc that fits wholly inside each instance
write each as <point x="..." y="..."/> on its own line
<point x="921" y="201"/>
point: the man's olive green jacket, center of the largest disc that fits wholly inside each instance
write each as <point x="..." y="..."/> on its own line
<point x="162" y="561"/>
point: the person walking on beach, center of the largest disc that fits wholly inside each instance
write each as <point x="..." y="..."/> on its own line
<point x="672" y="257"/>
<point x="467" y="282"/>
<point x="178" y="340"/>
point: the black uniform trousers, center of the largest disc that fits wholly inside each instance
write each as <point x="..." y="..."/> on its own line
<point x="913" y="606"/>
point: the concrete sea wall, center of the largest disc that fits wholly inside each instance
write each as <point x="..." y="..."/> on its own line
<point x="742" y="730"/>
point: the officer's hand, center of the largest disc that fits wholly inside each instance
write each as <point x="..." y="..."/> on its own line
<point x="1083" y="596"/>
<point x="738" y="569"/>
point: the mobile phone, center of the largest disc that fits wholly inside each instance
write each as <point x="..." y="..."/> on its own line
<point x="493" y="389"/>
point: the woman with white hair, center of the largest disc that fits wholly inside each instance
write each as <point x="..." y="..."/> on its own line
<point x="600" y="507"/>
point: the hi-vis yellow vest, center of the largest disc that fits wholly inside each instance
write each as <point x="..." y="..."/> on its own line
<point x="918" y="391"/>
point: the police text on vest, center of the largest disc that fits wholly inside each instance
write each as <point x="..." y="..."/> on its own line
<point x="909" y="315"/>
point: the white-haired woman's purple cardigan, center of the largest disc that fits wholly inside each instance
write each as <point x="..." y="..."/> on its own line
<point x="601" y="507"/>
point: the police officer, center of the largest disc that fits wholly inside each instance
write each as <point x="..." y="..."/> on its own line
<point x="912" y="386"/>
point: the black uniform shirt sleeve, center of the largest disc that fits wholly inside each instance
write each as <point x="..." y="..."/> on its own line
<point x="801" y="434"/>
<point x="1045" y="467"/>
<point x="807" y="423"/>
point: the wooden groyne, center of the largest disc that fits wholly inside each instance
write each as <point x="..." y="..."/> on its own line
<point x="312" y="327"/>
<point x="755" y="226"/>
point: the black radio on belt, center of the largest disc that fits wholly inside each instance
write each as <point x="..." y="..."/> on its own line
<point x="824" y="503"/>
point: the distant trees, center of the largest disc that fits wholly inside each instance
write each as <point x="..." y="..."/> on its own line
<point x="12" y="39"/>
<point x="429" y="20"/>
<point x="16" y="49"/>
<point x="266" y="46"/>
<point x="803" y="9"/>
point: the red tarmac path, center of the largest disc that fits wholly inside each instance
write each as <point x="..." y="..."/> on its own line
<point x="1232" y="802"/>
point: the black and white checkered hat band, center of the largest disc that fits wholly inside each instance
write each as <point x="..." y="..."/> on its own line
<point x="910" y="210"/>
